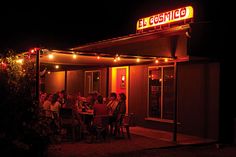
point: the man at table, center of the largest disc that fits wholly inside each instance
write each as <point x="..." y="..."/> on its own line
<point x="100" y="117"/>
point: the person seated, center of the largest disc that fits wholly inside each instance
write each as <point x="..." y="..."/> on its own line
<point x="89" y="101"/>
<point x="100" y="120"/>
<point x="71" y="104"/>
<point x="46" y="106"/>
<point x="55" y="105"/>
<point x="99" y="110"/>
<point x="111" y="106"/>
<point x="119" y="112"/>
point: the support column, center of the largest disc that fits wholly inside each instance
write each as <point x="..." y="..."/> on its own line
<point x="174" y="137"/>
<point x="107" y="83"/>
<point x="37" y="88"/>
<point x="65" y="86"/>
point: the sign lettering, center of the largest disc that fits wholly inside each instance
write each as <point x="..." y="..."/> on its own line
<point x="166" y="17"/>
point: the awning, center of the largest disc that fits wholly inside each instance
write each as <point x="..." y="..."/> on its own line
<point x="152" y="43"/>
<point x="134" y="49"/>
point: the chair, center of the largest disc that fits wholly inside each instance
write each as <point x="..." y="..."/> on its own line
<point x="68" y="123"/>
<point x="128" y="120"/>
<point x="101" y="129"/>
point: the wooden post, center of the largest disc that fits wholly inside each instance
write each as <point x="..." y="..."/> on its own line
<point x="37" y="75"/>
<point x="174" y="139"/>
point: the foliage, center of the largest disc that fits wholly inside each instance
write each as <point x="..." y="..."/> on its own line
<point x="20" y="124"/>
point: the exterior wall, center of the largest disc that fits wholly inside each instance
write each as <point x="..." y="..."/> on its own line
<point x="103" y="81"/>
<point x="138" y="99"/>
<point x="55" y="82"/>
<point x="75" y="81"/>
<point x="198" y="99"/>
<point x="181" y="48"/>
<point x="176" y="43"/>
<point x="138" y="92"/>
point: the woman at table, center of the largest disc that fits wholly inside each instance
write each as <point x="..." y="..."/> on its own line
<point x="119" y="112"/>
<point x="111" y="106"/>
<point x="89" y="101"/>
<point x="55" y="105"/>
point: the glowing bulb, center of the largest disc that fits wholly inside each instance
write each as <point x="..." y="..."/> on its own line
<point x="50" y="56"/>
<point x="156" y="61"/>
<point x="166" y="60"/>
<point x="74" y="56"/>
<point x="32" y="51"/>
<point x="57" y="66"/>
<point x="138" y="60"/>
<point x="98" y="57"/>
<point x="20" y="61"/>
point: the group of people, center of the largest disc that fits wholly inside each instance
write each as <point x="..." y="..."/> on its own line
<point x="114" y="106"/>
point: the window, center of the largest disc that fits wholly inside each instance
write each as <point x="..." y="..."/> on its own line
<point x="161" y="92"/>
<point x="92" y="82"/>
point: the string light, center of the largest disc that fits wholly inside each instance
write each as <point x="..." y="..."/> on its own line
<point x="50" y="56"/>
<point x="118" y="58"/>
<point x="20" y="61"/>
<point x="74" y="56"/>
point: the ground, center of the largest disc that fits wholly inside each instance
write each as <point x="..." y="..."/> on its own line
<point x="186" y="151"/>
<point x="139" y="146"/>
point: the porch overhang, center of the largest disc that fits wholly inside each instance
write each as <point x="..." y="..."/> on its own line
<point x="134" y="49"/>
<point x="154" y="43"/>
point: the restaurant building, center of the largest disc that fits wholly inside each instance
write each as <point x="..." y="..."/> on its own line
<point x="169" y="84"/>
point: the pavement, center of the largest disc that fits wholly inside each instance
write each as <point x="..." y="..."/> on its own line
<point x="205" y="150"/>
<point x="109" y="147"/>
<point x="143" y="141"/>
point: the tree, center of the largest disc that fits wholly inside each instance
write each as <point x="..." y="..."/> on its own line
<point x="22" y="130"/>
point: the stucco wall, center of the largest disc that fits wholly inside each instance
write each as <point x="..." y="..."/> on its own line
<point x="75" y="82"/>
<point x="198" y="99"/>
<point x="54" y="82"/>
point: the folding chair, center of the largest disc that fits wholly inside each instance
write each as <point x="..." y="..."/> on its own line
<point x="127" y="121"/>
<point x="101" y="129"/>
<point x="68" y="123"/>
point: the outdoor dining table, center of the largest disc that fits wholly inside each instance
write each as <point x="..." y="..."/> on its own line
<point x="86" y="116"/>
<point x="86" y="112"/>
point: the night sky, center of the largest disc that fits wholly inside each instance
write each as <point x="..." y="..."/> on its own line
<point x="61" y="25"/>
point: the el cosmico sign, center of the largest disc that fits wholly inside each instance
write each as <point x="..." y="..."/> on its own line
<point x="165" y="18"/>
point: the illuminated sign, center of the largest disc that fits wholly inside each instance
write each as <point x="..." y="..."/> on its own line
<point x="165" y="18"/>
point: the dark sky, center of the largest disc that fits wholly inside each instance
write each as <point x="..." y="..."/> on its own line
<point x="64" y="24"/>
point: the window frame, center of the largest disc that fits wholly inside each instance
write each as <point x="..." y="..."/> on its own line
<point x="85" y="80"/>
<point x="148" y="117"/>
